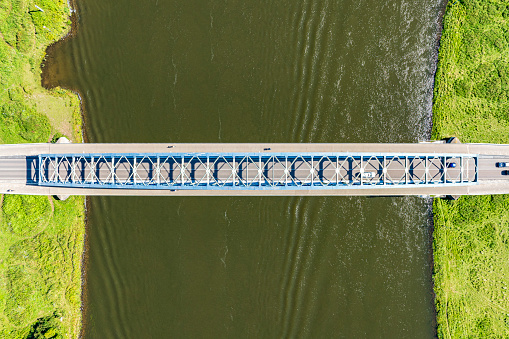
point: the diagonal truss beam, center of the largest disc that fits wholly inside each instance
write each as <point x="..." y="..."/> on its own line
<point x="254" y="170"/>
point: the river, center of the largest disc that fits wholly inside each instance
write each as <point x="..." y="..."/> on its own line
<point x="255" y="71"/>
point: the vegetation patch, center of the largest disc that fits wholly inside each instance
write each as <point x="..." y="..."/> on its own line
<point x="471" y="99"/>
<point x="471" y="249"/>
<point x="29" y="113"/>
<point x="471" y="239"/>
<point x="40" y="275"/>
<point x="41" y="240"/>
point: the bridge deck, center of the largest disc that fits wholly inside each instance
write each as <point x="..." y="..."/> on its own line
<point x="286" y="169"/>
<point x="254" y="171"/>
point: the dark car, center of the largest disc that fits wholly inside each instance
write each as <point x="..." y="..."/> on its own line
<point x="502" y="164"/>
<point x="451" y="165"/>
<point x="506" y="172"/>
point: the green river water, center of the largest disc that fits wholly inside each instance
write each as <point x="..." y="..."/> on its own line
<point x="255" y="71"/>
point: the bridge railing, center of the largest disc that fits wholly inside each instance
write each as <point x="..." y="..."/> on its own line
<point x="255" y="170"/>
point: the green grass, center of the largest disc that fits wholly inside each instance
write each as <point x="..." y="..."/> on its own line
<point x="471" y="239"/>
<point x="471" y="250"/>
<point x="28" y="113"/>
<point x="471" y="99"/>
<point x="41" y="240"/>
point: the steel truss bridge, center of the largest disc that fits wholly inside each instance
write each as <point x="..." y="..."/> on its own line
<point x="255" y="171"/>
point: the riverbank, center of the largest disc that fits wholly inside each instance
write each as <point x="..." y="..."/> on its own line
<point x="41" y="239"/>
<point x="471" y="236"/>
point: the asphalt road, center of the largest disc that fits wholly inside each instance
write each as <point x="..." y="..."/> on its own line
<point x="13" y="169"/>
<point x="489" y="171"/>
<point x="252" y="170"/>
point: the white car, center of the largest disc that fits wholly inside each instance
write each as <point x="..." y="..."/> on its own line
<point x="368" y="175"/>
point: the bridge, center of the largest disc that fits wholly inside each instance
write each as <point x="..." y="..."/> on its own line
<point x="436" y="169"/>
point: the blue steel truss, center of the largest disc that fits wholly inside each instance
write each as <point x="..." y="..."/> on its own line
<point x="255" y="171"/>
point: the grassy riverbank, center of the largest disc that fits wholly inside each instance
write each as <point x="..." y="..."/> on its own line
<point x="471" y="239"/>
<point x="41" y="240"/>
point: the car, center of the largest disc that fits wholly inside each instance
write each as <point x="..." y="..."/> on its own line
<point x="506" y="172"/>
<point x="368" y="175"/>
<point x="451" y="165"/>
<point x="502" y="164"/>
